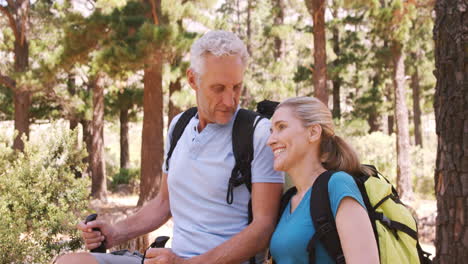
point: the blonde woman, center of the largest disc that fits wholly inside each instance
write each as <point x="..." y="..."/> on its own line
<point x="305" y="146"/>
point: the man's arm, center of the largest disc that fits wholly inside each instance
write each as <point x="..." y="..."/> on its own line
<point x="150" y="217"/>
<point x="255" y="237"/>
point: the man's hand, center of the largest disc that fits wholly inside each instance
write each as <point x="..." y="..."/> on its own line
<point x="93" y="239"/>
<point x="163" y="256"/>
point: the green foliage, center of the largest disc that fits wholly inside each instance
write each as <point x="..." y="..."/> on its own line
<point x="40" y="197"/>
<point x="130" y="99"/>
<point x="6" y="103"/>
<point x="126" y="176"/>
<point x="379" y="149"/>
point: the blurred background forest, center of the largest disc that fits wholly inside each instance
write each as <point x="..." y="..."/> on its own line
<point x="87" y="89"/>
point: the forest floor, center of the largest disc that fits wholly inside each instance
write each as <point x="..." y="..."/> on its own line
<point x="119" y="206"/>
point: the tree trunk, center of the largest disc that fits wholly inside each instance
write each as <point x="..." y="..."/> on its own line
<point x="404" y="185"/>
<point x="416" y="108"/>
<point x="98" y="185"/>
<point x="278" y="21"/>
<point x="337" y="78"/>
<point x="152" y="145"/>
<point x="72" y="90"/>
<point x="22" y="101"/>
<point x="246" y="96"/>
<point x="451" y="108"/>
<point x="249" y="27"/>
<point x="22" y="95"/>
<point x="390" y="117"/>
<point x="88" y="140"/>
<point x="173" y="109"/>
<point x="124" y="153"/>
<point x="317" y="9"/>
<point x="373" y="121"/>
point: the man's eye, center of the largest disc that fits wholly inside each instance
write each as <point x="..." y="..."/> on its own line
<point x="281" y="127"/>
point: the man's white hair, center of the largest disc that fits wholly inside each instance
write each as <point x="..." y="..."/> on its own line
<point x="219" y="43"/>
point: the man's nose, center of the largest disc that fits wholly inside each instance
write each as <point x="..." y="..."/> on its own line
<point x="228" y="99"/>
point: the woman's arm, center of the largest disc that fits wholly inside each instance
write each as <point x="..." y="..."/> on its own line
<point x="356" y="234"/>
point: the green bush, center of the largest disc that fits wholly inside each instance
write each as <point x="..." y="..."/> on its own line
<point x="40" y="197"/>
<point x="126" y="176"/>
<point x="379" y="149"/>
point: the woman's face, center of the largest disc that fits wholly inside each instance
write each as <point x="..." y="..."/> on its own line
<point x="289" y="139"/>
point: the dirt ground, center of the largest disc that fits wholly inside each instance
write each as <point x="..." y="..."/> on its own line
<point x="120" y="206"/>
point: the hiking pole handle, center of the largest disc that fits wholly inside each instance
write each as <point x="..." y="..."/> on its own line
<point x="159" y="242"/>
<point x="102" y="247"/>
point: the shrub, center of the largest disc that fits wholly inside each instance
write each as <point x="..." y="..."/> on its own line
<point x="379" y="149"/>
<point x="126" y="176"/>
<point x="40" y="198"/>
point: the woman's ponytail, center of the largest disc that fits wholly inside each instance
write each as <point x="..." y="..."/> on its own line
<point x="337" y="155"/>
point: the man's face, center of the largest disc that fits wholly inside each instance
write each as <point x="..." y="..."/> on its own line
<point x="218" y="88"/>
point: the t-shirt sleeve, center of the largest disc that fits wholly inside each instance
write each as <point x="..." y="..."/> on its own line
<point x="262" y="164"/>
<point x="342" y="185"/>
<point x="167" y="144"/>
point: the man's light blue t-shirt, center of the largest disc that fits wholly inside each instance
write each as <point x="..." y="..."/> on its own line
<point x="292" y="234"/>
<point x="199" y="171"/>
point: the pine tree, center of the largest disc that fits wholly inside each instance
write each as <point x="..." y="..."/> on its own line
<point x="18" y="15"/>
<point x="316" y="9"/>
<point x="451" y="107"/>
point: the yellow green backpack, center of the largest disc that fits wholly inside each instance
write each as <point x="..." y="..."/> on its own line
<point x="394" y="227"/>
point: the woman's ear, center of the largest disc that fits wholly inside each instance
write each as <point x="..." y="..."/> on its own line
<point x="315" y="132"/>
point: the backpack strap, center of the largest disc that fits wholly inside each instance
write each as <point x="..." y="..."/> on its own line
<point x="179" y="130"/>
<point x="324" y="221"/>
<point x="242" y="146"/>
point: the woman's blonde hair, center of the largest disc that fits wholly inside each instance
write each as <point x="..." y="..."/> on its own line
<point x="335" y="153"/>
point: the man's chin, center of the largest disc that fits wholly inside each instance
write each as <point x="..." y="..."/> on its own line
<point x="224" y="118"/>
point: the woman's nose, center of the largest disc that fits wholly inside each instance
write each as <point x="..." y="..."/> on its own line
<point x="271" y="140"/>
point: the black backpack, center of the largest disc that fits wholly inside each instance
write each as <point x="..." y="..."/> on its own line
<point x="242" y="145"/>
<point x="324" y="221"/>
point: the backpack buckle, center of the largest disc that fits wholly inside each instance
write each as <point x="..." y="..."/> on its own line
<point x="386" y="220"/>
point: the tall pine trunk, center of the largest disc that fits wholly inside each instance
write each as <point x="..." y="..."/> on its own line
<point x="22" y="101"/>
<point x="416" y="107"/>
<point x="337" y="80"/>
<point x="390" y="117"/>
<point x="124" y="149"/>
<point x="88" y="140"/>
<point x="451" y="108"/>
<point x="278" y="21"/>
<point x="173" y="108"/>
<point x="404" y="185"/>
<point x="98" y="172"/>
<point x="22" y="95"/>
<point x="317" y="9"/>
<point x="152" y="146"/>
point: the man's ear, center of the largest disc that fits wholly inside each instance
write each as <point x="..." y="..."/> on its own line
<point x="192" y="79"/>
<point x="315" y="132"/>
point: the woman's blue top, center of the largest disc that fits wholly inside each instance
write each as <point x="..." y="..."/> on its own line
<point x="288" y="244"/>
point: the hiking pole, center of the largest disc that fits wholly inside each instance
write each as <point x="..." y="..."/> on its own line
<point x="102" y="247"/>
<point x="159" y="242"/>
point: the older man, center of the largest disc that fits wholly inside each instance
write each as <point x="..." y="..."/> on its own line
<point x="193" y="190"/>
